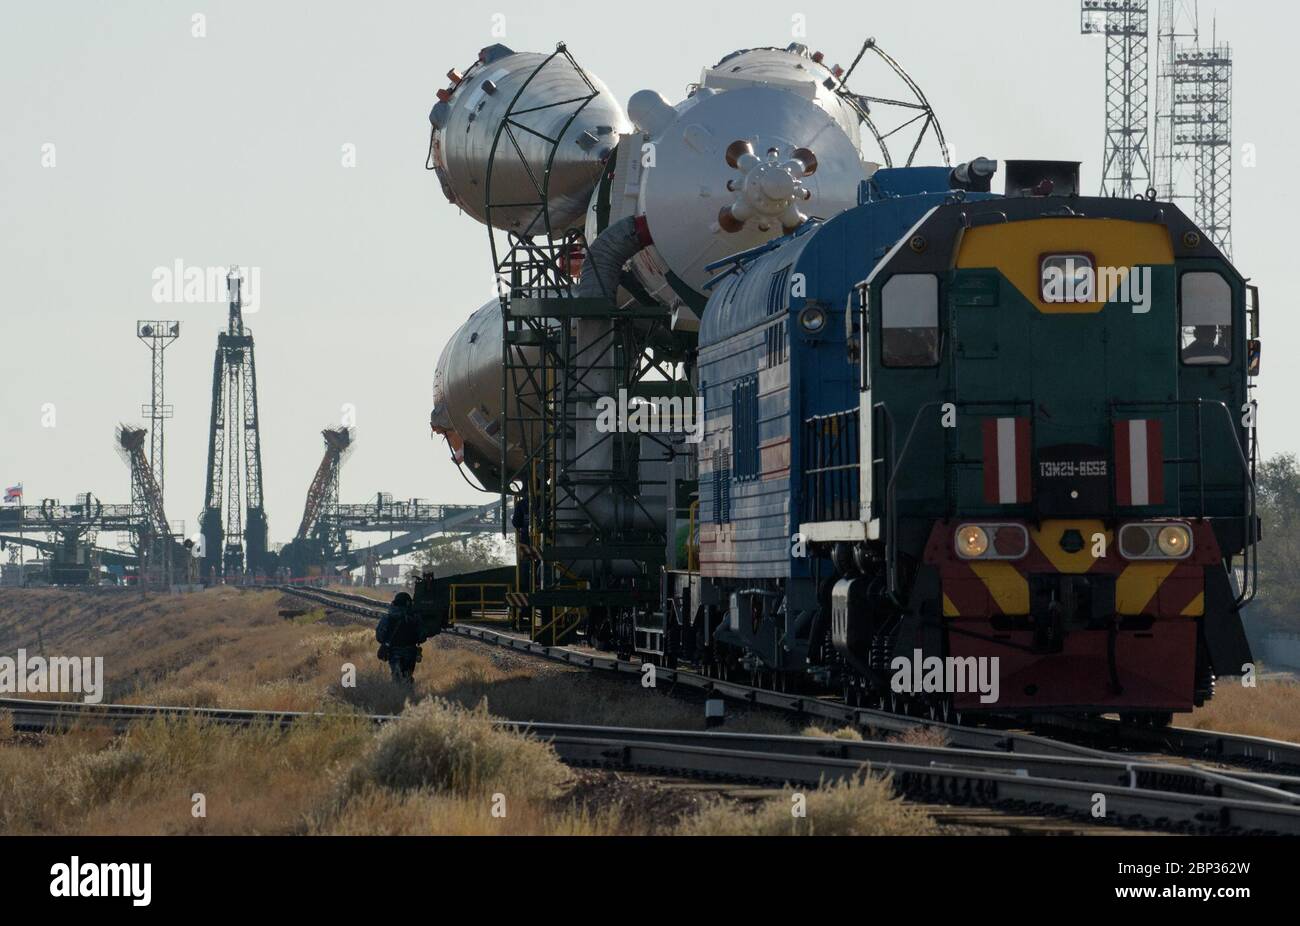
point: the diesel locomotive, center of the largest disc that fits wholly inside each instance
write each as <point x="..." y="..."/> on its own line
<point x="954" y="427"/>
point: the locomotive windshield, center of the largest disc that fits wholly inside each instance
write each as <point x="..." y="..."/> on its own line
<point x="909" y="314"/>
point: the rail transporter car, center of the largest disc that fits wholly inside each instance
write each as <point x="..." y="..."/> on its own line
<point x="954" y="424"/>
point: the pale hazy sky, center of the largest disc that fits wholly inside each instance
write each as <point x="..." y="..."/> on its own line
<point x="227" y="149"/>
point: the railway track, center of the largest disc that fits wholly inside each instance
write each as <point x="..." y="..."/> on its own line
<point x="1257" y="752"/>
<point x="1210" y="745"/>
<point x="1137" y="795"/>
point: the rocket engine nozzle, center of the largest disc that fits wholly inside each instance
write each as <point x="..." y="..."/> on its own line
<point x="770" y="188"/>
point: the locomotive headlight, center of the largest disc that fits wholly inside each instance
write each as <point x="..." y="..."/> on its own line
<point x="972" y="541"/>
<point x="812" y="319"/>
<point x="1155" y="540"/>
<point x="1006" y="540"/>
<point x="1174" y="540"/>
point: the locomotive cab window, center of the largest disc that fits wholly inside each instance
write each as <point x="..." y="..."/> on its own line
<point x="909" y="320"/>
<point x="1205" y="300"/>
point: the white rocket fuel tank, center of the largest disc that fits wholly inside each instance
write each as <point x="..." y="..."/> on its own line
<point x="467" y="397"/>
<point x="546" y="100"/>
<point x="763" y="142"/>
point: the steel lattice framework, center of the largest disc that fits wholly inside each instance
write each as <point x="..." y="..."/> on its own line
<point x="157" y="335"/>
<point x="323" y="493"/>
<point x="1203" y="124"/>
<point x="1126" y="167"/>
<point x="551" y="379"/>
<point x="236" y="542"/>
<point x="1177" y="28"/>
<point x="154" y="542"/>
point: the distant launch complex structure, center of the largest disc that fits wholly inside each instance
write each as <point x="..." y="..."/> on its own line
<point x="1190" y="161"/>
<point x="233" y="522"/>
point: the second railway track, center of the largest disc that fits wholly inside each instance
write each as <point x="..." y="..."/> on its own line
<point x="1137" y="795"/>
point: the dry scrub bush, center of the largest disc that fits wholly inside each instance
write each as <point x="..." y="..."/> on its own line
<point x="440" y="746"/>
<point x="848" y="808"/>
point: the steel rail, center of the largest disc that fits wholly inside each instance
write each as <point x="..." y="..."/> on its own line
<point x="1133" y="791"/>
<point x="1201" y="744"/>
<point x="39" y="715"/>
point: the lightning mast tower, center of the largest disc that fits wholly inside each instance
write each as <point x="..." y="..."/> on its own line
<point x="158" y="335"/>
<point x="1126" y="167"/>
<point x="1203" y="116"/>
<point x="1177" y="29"/>
<point x="236" y="543"/>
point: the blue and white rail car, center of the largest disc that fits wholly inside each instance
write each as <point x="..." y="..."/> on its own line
<point x="772" y="354"/>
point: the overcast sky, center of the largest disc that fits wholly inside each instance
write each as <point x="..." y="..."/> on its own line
<point x="228" y="148"/>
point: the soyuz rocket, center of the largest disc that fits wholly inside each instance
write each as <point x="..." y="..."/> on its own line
<point x="765" y="140"/>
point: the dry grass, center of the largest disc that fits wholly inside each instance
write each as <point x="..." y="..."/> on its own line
<point x="439" y="769"/>
<point x="387" y="813"/>
<point x="435" y="771"/>
<point x="256" y="780"/>
<point x="921" y="736"/>
<point x="840" y="733"/>
<point x="867" y="807"/>
<point x="1272" y="709"/>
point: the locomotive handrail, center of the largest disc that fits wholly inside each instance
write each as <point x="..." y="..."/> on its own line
<point x="1250" y="564"/>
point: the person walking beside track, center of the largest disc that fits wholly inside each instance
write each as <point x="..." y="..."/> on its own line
<point x="399" y="637"/>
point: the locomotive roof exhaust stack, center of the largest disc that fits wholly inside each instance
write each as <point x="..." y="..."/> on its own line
<point x="1042" y="178"/>
<point x="973" y="176"/>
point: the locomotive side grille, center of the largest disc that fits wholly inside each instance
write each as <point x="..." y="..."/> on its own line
<point x="830" y="467"/>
